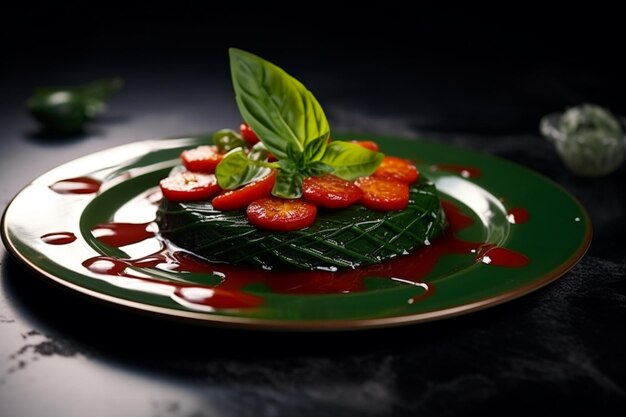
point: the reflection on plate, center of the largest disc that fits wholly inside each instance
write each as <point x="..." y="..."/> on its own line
<point x="512" y="231"/>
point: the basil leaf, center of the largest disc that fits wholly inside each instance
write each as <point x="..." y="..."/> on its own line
<point x="227" y="140"/>
<point x="350" y="160"/>
<point x="290" y="176"/>
<point x="292" y="126"/>
<point x="288" y="165"/>
<point x="236" y="170"/>
<point x="319" y="168"/>
<point x="280" y="110"/>
<point x="314" y="149"/>
<point x="288" y="184"/>
<point x="294" y="155"/>
<point x="259" y="152"/>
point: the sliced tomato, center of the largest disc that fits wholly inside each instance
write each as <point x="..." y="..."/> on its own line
<point x="202" y="159"/>
<point x="330" y="191"/>
<point x="397" y="168"/>
<point x="248" y="134"/>
<point x="383" y="194"/>
<point x="240" y="198"/>
<point x="281" y="215"/>
<point x="189" y="186"/>
<point x="367" y="144"/>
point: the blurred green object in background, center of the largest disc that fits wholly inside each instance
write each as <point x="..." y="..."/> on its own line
<point x="591" y="122"/>
<point x="588" y="138"/>
<point x="66" y="110"/>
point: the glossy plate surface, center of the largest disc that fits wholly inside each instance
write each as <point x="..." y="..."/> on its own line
<point x="513" y="232"/>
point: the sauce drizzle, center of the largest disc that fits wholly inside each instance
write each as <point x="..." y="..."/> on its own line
<point x="78" y="185"/>
<point x="58" y="238"/>
<point x="517" y="215"/>
<point x="229" y="291"/>
<point x="122" y="234"/>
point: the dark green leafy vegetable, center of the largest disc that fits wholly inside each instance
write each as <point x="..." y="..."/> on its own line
<point x="67" y="110"/>
<point x="344" y="238"/>
<point x="291" y="124"/>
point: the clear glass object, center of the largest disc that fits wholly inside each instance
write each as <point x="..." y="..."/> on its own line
<point x="588" y="138"/>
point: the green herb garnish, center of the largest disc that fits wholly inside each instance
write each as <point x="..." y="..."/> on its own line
<point x="227" y="140"/>
<point x="291" y="125"/>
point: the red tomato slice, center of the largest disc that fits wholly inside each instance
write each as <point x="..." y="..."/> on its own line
<point x="367" y="144"/>
<point x="201" y="159"/>
<point x="240" y="198"/>
<point x="398" y="169"/>
<point x="281" y="215"/>
<point x="189" y="186"/>
<point x="330" y="191"/>
<point x="383" y="194"/>
<point x="248" y="134"/>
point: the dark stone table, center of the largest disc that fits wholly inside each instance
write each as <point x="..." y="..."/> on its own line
<point x="561" y="348"/>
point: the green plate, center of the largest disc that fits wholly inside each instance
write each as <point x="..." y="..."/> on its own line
<point x="515" y="231"/>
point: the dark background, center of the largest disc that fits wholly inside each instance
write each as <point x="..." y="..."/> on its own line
<point x="472" y="78"/>
<point x="490" y="71"/>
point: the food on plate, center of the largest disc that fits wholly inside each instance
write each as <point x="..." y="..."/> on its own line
<point x="281" y="194"/>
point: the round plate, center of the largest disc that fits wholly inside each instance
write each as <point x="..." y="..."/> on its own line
<point x="519" y="232"/>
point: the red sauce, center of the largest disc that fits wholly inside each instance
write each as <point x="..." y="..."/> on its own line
<point x="517" y="215"/>
<point x="122" y="234"/>
<point x="229" y="292"/>
<point x="79" y="185"/>
<point x="497" y="256"/>
<point x="411" y="269"/>
<point x="462" y="170"/>
<point x="58" y="238"/>
<point x="192" y="295"/>
<point x="216" y="297"/>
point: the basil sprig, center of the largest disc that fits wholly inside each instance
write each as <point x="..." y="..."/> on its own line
<point x="291" y="125"/>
